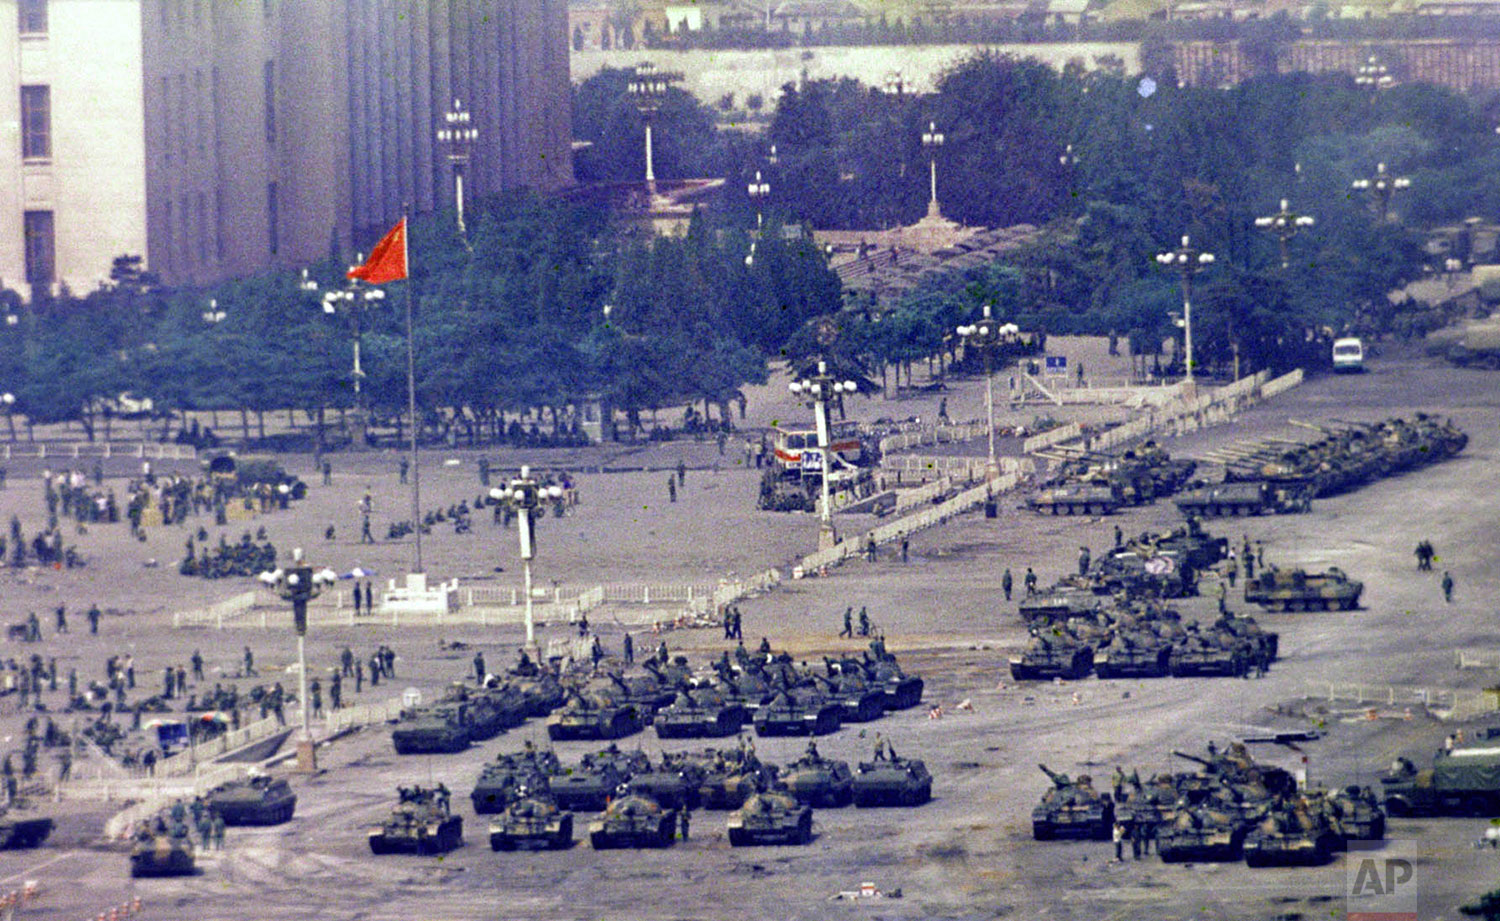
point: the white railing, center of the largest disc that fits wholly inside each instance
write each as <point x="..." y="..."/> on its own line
<point x="922" y="495"/>
<point x="1051" y="437"/>
<point x="1444" y="703"/>
<point x="655" y="593"/>
<point x="933" y="434"/>
<point x="215" y="614"/>
<point x="1476" y="658"/>
<point x="72" y="450"/>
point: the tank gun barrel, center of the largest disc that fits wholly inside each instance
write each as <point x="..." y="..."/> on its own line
<point x="1195" y="758"/>
<point x="1053" y="775"/>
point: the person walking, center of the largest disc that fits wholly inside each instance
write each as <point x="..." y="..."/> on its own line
<point x="848" y="630"/>
<point x="1118" y="837"/>
<point x="403" y="469"/>
<point x="905" y="547"/>
<point x="197" y="661"/>
<point x="62" y="618"/>
<point x="1006" y="583"/>
<point x="1232" y="570"/>
<point x="93" y="616"/>
<point x="1030" y="582"/>
<point x="681" y="473"/>
<point x="1447" y="586"/>
<point x="671" y="489"/>
<point x="327" y="473"/>
<point x="864" y="622"/>
<point x="357" y="599"/>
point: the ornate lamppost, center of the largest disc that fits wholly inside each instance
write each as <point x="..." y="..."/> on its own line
<point x="759" y="190"/>
<point x="1187" y="261"/>
<point x="818" y="391"/>
<point x="1381" y="186"/>
<point x="353" y="299"/>
<point x="648" y="88"/>
<point x="985" y="335"/>
<point x="458" y="134"/>
<point x="299" y="584"/>
<point x="528" y="498"/>
<point x="1284" y="224"/>
<point x="932" y="139"/>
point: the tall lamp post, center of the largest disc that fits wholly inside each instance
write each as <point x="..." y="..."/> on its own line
<point x="648" y="87"/>
<point x="1284" y="224"/>
<point x="1187" y="261"/>
<point x="932" y="139"/>
<point x="527" y="498"/>
<point x="818" y="391"/>
<point x="985" y="335"/>
<point x="299" y="584"/>
<point x="1381" y="186"/>
<point x="353" y="298"/>
<point x="1373" y="74"/>
<point x="459" y="134"/>
<point x="759" y="190"/>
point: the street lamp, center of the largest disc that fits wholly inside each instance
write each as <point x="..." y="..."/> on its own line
<point x="1188" y="262"/>
<point x="1067" y="157"/>
<point x="1284" y="224"/>
<point x="895" y="84"/>
<point x="1373" y="74"/>
<point x="299" y="584"/>
<point x="8" y="404"/>
<point x="932" y="139"/>
<point x="527" y="498"/>
<point x="648" y="87"/>
<point x="758" y="190"/>
<point x="353" y="298"/>
<point x="818" y="391"/>
<point x="1381" y="187"/>
<point x="985" y="335"/>
<point x="459" y="135"/>
<point x="213" y="315"/>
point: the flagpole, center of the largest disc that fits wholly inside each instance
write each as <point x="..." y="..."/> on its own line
<point x="411" y="391"/>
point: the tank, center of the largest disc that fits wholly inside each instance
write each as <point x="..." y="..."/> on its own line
<point x="771" y="818"/>
<point x="1245" y="498"/>
<point x="1202" y="833"/>
<point x="163" y="853"/>
<point x="858" y="701"/>
<point x="19" y="831"/>
<point x="1292" y="835"/>
<point x="902" y="691"/>
<point x="253" y="801"/>
<point x="1052" y="654"/>
<point x="1076" y="499"/>
<point x="532" y="821"/>
<point x="733" y="775"/>
<point x="589" y="786"/>
<point x="1210" y="654"/>
<point x="703" y="712"/>
<point x="1072" y="810"/>
<point x="1143" y="572"/>
<point x="819" y="781"/>
<point x="1298" y="590"/>
<point x="1359" y="813"/>
<point x="633" y="821"/>
<point x="419" y="824"/>
<point x="892" y="781"/>
<point x="1058" y="604"/>
<point x="501" y="780"/>
<point x="540" y="692"/>
<point x="439" y="729"/>
<point x="799" y="711"/>
<point x="673" y="782"/>
<point x="594" y="716"/>
<point x="1135" y="653"/>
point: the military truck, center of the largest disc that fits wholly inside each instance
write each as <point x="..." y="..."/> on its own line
<point x="162" y="853"/>
<point x="1072" y="810"/>
<point x="253" y="801"/>
<point x="419" y="824"/>
<point x="635" y="821"/>
<point x="1299" y="590"/>
<point x="1077" y="499"/>
<point x="532" y="821"/>
<point x="892" y="781"/>
<point x="772" y="817"/>
<point x="1465" y="781"/>
<point x="1244" y="498"/>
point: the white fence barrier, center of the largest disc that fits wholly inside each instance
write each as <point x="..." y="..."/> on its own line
<point x="1476" y="658"/>
<point x="72" y="450"/>
<point x="1444" y="703"/>
<point x="215" y="614"/>
<point x="1051" y="437"/>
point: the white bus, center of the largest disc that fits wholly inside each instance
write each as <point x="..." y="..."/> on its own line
<point x="1348" y="355"/>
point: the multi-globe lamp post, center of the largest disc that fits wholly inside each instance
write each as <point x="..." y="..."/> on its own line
<point x="1187" y="262"/>
<point x="1381" y="186"/>
<point x="527" y="497"/>
<point x="1284" y="224"/>
<point x="932" y="139"/>
<point x="985" y="335"/>
<point x="758" y="190"/>
<point x="353" y="299"/>
<point x="819" y="390"/>
<point x="299" y="583"/>
<point x="648" y="88"/>
<point x="458" y="134"/>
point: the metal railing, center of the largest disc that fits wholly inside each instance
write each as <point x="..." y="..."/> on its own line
<point x="1443" y="703"/>
<point x="72" y="450"/>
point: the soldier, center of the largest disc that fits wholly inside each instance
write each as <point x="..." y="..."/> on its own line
<point x="93" y="616"/>
<point x="812" y="750"/>
<point x="403" y="469"/>
<point x="218" y="821"/>
<point x="249" y="663"/>
<point x="374" y="671"/>
<point x="327" y="473"/>
<point x="661" y="652"/>
<point x="683" y="817"/>
<point x="168" y="680"/>
<point x="681" y="473"/>
<point x="628" y="649"/>
<point x="1083" y="561"/>
<point x="1118" y="783"/>
<point x="1030" y="582"/>
<point x="62" y="618"/>
<point x="1424" y="555"/>
<point x="358" y="599"/>
<point x="479" y="671"/>
<point x="346" y="661"/>
<point x="1447" y="586"/>
<point x="197" y="661"/>
<point x="872" y="553"/>
<point x="905" y="547"/>
<point x="336" y="690"/>
<point x="1223" y="599"/>
<point x="1119" y="537"/>
<point x="315" y="697"/>
<point x="864" y="621"/>
<point x="1233" y="569"/>
<point x="882" y="748"/>
<point x="64" y="765"/>
<point x="848" y="622"/>
<point x="1006" y="583"/>
<point x="359" y="676"/>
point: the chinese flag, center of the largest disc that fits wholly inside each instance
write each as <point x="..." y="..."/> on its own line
<point x="387" y="260"/>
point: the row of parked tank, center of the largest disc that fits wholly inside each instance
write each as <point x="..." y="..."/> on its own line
<point x="532" y="798"/>
<point x="1231" y="808"/>
<point x="1091" y="483"/>
<point x="1277" y="476"/>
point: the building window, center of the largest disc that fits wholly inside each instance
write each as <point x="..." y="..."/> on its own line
<point x="166" y="117"/>
<point x="202" y="237"/>
<point x="270" y="79"/>
<point x="33" y="17"/>
<point x="36" y="122"/>
<point x="219" y="223"/>
<point x="41" y="261"/>
<point x="200" y="128"/>
<point x="273" y="216"/>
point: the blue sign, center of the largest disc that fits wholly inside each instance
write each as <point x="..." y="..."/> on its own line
<point x="1057" y="364"/>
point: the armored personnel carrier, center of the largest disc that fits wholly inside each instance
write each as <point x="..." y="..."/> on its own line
<point x="1072" y="810"/>
<point x="892" y="781"/>
<point x="253" y="801"/>
<point x="532" y="821"/>
<point x="796" y="712"/>
<point x="633" y="821"/>
<point x="599" y="776"/>
<point x="1298" y="590"/>
<point x="1291" y="834"/>
<point x="162" y="853"/>
<point x="420" y="824"/>
<point x="18" y="831"/>
<point x="1251" y="497"/>
<point x="702" y="712"/>
<point x="1052" y="655"/>
<point x="1059" y="604"/>
<point x="1077" y="499"/>
<point x="1135" y="653"/>
<point x="819" y="781"/>
<point x="440" y="728"/>
<point x="594" y="715"/>
<point x="501" y="779"/>
<point x="772" y="817"/>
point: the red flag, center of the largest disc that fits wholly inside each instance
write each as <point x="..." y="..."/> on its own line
<point x="387" y="260"/>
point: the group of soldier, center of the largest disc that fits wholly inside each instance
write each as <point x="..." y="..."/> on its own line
<point x="205" y="820"/>
<point x="246" y="558"/>
<point x="866" y="627"/>
<point x="381" y="664"/>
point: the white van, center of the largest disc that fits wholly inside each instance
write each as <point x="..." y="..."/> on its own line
<point x="1348" y="355"/>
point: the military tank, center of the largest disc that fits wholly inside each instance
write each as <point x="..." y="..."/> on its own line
<point x="1077" y="499"/>
<point x="419" y="824"/>
<point x="902" y="691"/>
<point x="892" y="781"/>
<point x="1052" y="654"/>
<point x="17" y="831"/>
<point x="1059" y="604"/>
<point x="1209" y="653"/>
<point x="1299" y="590"/>
<point x="819" y="781"/>
<point x="1244" y="498"/>
<point x="541" y="693"/>
<point x="1138" y="653"/>
<point x="1359" y="813"/>
<point x="674" y="782"/>
<point x="438" y="729"/>
<point x="702" y="712"/>
<point x="501" y="780"/>
<point x="634" y="821"/>
<point x="595" y="716"/>
<point x="731" y="776"/>
<point x="253" y="801"/>
<point x="1203" y="833"/>
<point x="162" y="853"/>
<point x="532" y="821"/>
<point x="798" y="711"/>
<point x="1072" y="810"/>
<point x="858" y="701"/>
<point x="589" y="786"/>
<point x="771" y="817"/>
<point x="1292" y="834"/>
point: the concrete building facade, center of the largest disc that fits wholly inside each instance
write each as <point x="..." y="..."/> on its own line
<point x="217" y="138"/>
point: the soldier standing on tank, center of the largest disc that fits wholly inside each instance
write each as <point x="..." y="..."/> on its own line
<point x="882" y="748"/>
<point x="1260" y="554"/>
<point x="1083" y="561"/>
<point x="1119" y="784"/>
<point x="848" y="622"/>
<point x="1223" y="598"/>
<point x="1030" y="582"/>
<point x="1447" y="586"/>
<point x="1007" y="583"/>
